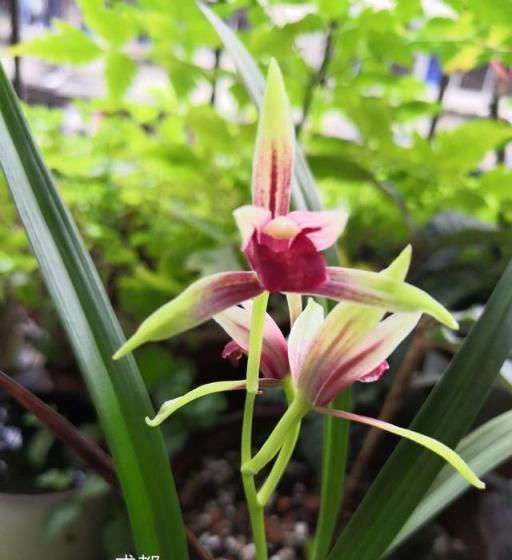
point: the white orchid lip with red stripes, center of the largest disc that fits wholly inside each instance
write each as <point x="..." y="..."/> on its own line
<point x="283" y="248"/>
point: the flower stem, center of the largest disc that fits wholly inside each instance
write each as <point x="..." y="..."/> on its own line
<point x="296" y="411"/>
<point x="285" y="452"/>
<point x="253" y="366"/>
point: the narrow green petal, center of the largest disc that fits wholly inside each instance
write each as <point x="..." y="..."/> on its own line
<point x="449" y="455"/>
<point x="273" y="156"/>
<point x="378" y="290"/>
<point x="172" y="405"/>
<point x="196" y="304"/>
<point x="399" y="268"/>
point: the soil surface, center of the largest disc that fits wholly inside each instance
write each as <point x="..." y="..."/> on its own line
<point x="214" y="505"/>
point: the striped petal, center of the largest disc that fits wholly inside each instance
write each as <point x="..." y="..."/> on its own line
<point x="341" y="368"/>
<point x="321" y="228"/>
<point x="374" y="289"/>
<point x="273" y="157"/>
<point x="344" y="328"/>
<point x="194" y="306"/>
<point x="303" y="333"/>
<point x="236" y="322"/>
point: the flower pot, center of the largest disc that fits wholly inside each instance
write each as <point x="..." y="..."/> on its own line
<point x="22" y="523"/>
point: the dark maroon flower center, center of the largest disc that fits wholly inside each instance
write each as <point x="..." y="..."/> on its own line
<point x="286" y="265"/>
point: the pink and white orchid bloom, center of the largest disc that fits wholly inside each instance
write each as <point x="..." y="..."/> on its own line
<point x="351" y="344"/>
<point x="236" y="321"/>
<point x="327" y="355"/>
<point x="283" y="248"/>
<point x="274" y="363"/>
<point x="324" y="356"/>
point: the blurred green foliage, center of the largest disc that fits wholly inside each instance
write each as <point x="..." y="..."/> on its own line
<point x="152" y="183"/>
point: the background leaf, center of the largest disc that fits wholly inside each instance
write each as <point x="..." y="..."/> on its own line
<point x="120" y="70"/>
<point x="484" y="449"/>
<point x="114" y="27"/>
<point x="67" y="45"/>
<point x="116" y="388"/>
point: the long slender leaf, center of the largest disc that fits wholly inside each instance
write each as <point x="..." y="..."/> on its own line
<point x="304" y="197"/>
<point x="335" y="450"/>
<point x="484" y="449"/>
<point x="446" y="415"/>
<point x="116" y="388"/>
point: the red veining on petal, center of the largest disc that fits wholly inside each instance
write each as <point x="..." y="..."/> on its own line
<point x="340" y="286"/>
<point x="335" y="381"/>
<point x="225" y="290"/>
<point x="272" y="194"/>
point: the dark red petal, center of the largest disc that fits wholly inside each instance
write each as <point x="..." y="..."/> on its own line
<point x="286" y="265"/>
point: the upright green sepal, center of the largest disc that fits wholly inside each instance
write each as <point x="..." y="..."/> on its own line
<point x="275" y="140"/>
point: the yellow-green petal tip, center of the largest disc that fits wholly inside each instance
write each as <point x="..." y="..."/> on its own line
<point x="153" y="422"/>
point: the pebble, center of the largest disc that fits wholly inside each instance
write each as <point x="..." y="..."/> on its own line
<point x="215" y="510"/>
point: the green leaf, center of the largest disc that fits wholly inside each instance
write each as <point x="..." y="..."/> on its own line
<point x="117" y="389"/>
<point x="483" y="449"/>
<point x="113" y="25"/>
<point x="333" y="8"/>
<point x="334" y="449"/>
<point x="464" y="60"/>
<point x="446" y="415"/>
<point x="67" y="46"/>
<point x="459" y="151"/>
<point x="60" y="517"/>
<point x="120" y="70"/>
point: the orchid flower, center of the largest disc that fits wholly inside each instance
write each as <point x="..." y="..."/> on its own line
<point x="274" y="362"/>
<point x="284" y="249"/>
<point x="327" y="355"/>
<point x="324" y="356"/>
